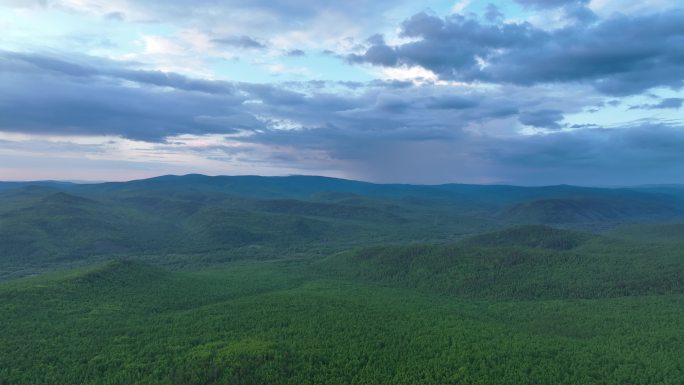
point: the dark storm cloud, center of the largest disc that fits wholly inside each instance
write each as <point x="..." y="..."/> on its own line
<point x="45" y="95"/>
<point x="62" y="107"/>
<point x="517" y="75"/>
<point x="621" y="55"/>
<point x="380" y="130"/>
<point x="239" y="42"/>
<point x="352" y="126"/>
<point x="379" y="54"/>
<point x="452" y="102"/>
<point x="101" y="97"/>
<point x="646" y="153"/>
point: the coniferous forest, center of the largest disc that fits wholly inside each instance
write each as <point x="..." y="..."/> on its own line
<point x="308" y="280"/>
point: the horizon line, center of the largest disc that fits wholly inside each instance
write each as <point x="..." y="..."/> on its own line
<point x="86" y="182"/>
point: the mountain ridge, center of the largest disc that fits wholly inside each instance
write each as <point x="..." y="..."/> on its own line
<point x="197" y="219"/>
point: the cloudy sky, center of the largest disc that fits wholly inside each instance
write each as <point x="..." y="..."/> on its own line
<point x="526" y="92"/>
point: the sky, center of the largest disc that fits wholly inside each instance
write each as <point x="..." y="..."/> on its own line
<point x="527" y="92"/>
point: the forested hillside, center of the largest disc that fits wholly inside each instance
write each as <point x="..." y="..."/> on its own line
<point x="45" y="225"/>
<point x="304" y="280"/>
<point x="523" y="263"/>
<point x="256" y="323"/>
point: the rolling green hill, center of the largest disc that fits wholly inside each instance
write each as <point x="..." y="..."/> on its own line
<point x="590" y="210"/>
<point x="535" y="236"/>
<point x="307" y="280"/>
<point x="200" y="220"/>
<point x="523" y="263"/>
<point x="281" y="323"/>
<point x="656" y="233"/>
<point x="59" y="227"/>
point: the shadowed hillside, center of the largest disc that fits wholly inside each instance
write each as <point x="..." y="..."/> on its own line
<point x="535" y="236"/>
<point x="522" y="263"/>
<point x="197" y="220"/>
<point x="591" y="210"/>
<point x="662" y="232"/>
<point x="60" y="226"/>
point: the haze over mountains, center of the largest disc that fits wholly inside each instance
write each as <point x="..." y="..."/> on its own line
<point x="216" y="219"/>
